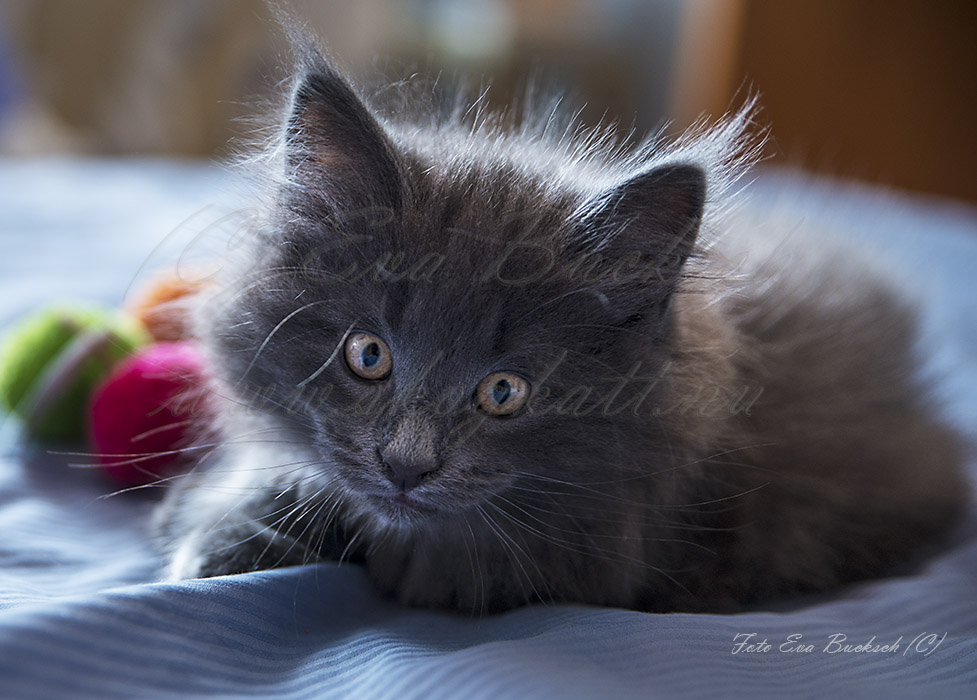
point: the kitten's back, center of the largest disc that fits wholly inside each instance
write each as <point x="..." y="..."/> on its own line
<point x="853" y="464"/>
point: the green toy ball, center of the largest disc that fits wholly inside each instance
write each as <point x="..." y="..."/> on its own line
<point x="51" y="361"/>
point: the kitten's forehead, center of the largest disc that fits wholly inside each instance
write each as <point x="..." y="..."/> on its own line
<point x="470" y="246"/>
<point x="479" y="207"/>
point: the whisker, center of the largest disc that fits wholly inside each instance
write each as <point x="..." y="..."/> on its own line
<point x="275" y="330"/>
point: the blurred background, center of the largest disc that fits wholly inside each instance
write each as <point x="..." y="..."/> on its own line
<point x="880" y="90"/>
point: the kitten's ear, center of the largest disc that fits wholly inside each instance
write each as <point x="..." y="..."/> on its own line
<point x="652" y="219"/>
<point x="334" y="145"/>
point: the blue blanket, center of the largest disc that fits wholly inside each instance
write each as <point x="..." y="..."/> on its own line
<point x="82" y="616"/>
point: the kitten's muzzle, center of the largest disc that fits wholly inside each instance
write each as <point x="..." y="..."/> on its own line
<point x="406" y="472"/>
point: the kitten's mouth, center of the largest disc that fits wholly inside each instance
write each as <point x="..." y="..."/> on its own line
<point x="402" y="505"/>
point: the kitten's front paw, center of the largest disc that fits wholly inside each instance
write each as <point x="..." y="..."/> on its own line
<point x="203" y="556"/>
<point x="188" y="561"/>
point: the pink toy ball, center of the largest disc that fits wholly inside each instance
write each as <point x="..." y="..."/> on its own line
<point x="147" y="412"/>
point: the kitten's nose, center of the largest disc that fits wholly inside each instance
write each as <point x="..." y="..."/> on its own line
<point x="406" y="472"/>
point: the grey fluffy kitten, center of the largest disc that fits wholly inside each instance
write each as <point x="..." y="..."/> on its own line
<point x="498" y="367"/>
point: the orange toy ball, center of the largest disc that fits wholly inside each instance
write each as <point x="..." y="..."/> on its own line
<point x="164" y="303"/>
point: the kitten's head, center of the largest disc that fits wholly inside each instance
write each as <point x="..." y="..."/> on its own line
<point x="448" y="316"/>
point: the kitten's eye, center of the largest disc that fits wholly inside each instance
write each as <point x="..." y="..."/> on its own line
<point x="368" y="356"/>
<point x="502" y="393"/>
